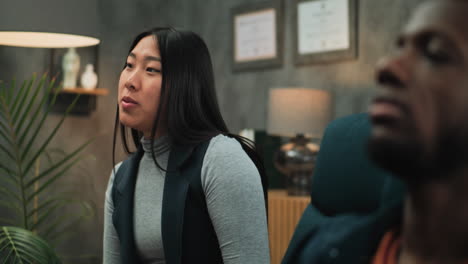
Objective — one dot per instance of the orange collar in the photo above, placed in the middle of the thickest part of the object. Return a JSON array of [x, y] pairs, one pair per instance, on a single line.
[[387, 252]]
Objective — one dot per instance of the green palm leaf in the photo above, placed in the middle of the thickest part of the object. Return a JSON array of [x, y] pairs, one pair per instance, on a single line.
[[10, 194], [52, 179], [3, 128], [7, 221], [22, 246], [2, 89], [57, 165], [36, 112], [28, 106], [38, 127], [63, 197], [27, 187], [7, 152], [9, 177], [65, 225], [11, 92], [20, 99], [11, 205], [49, 138]]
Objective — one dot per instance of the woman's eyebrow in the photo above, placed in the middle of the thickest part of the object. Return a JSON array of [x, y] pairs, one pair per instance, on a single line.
[[152, 58], [147, 58]]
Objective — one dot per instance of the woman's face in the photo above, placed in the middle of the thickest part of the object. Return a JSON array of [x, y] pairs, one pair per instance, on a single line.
[[140, 87]]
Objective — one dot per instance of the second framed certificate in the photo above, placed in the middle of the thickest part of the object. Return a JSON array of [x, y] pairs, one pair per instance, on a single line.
[[325, 30]]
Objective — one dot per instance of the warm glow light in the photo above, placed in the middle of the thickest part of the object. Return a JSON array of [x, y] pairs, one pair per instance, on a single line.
[[293, 111], [45, 40]]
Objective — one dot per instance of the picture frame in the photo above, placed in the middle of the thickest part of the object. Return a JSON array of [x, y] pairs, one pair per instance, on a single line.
[[325, 31], [257, 36]]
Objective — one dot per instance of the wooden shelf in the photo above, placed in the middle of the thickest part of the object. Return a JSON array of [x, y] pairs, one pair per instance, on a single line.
[[97, 91], [86, 102]]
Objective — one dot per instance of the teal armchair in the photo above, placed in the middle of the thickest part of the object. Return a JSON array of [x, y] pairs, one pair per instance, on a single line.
[[353, 202]]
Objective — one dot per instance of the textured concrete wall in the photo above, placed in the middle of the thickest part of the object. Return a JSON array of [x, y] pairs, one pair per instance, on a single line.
[[242, 95]]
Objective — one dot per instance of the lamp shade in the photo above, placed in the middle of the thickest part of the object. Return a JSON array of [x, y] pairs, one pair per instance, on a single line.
[[49, 23], [45, 40], [293, 111]]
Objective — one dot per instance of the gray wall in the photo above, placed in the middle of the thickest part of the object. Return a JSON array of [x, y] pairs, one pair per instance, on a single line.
[[242, 95]]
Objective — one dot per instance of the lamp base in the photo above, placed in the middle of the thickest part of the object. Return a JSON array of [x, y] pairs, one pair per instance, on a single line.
[[298, 183], [296, 160]]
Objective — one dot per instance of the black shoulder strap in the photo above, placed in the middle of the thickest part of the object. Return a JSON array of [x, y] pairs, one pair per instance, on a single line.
[[173, 204], [187, 231], [123, 189], [118, 178]]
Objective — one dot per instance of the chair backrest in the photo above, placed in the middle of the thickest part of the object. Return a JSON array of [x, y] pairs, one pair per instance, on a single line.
[[353, 201], [345, 180]]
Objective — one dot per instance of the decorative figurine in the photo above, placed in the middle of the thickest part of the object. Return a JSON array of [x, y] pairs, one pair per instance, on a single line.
[[70, 66], [89, 78]]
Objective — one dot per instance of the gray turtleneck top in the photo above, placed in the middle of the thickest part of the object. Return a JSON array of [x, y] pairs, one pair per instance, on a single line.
[[234, 197]]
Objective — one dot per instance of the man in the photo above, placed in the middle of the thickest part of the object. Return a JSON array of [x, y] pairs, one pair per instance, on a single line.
[[420, 133]]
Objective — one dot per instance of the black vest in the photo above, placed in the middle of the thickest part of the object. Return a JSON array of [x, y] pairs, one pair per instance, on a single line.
[[187, 232]]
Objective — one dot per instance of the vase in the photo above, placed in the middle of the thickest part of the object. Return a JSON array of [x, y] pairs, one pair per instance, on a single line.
[[70, 66], [89, 78]]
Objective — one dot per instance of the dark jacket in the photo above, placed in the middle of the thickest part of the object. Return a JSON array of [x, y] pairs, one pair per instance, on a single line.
[[341, 239], [187, 232]]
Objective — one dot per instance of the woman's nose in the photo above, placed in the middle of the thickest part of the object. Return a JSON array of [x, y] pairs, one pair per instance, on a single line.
[[131, 82]]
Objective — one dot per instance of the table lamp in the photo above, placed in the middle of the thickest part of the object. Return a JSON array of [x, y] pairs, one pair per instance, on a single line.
[[300, 114]]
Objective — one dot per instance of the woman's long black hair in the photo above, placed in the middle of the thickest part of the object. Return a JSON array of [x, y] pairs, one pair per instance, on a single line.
[[188, 103]]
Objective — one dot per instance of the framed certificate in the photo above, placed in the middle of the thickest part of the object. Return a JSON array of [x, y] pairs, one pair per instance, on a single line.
[[325, 30], [257, 36]]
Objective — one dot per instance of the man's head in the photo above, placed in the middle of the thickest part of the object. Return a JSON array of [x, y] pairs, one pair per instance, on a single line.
[[420, 118]]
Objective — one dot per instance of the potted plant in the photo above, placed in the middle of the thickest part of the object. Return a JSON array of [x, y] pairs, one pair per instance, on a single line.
[[30, 223]]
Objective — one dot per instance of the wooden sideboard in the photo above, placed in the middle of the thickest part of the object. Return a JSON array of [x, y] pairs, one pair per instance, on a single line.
[[284, 212]]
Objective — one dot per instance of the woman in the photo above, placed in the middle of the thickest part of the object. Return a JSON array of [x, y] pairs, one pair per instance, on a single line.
[[192, 192]]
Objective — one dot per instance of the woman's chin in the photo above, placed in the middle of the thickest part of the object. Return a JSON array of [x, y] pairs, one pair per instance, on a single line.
[[128, 122]]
